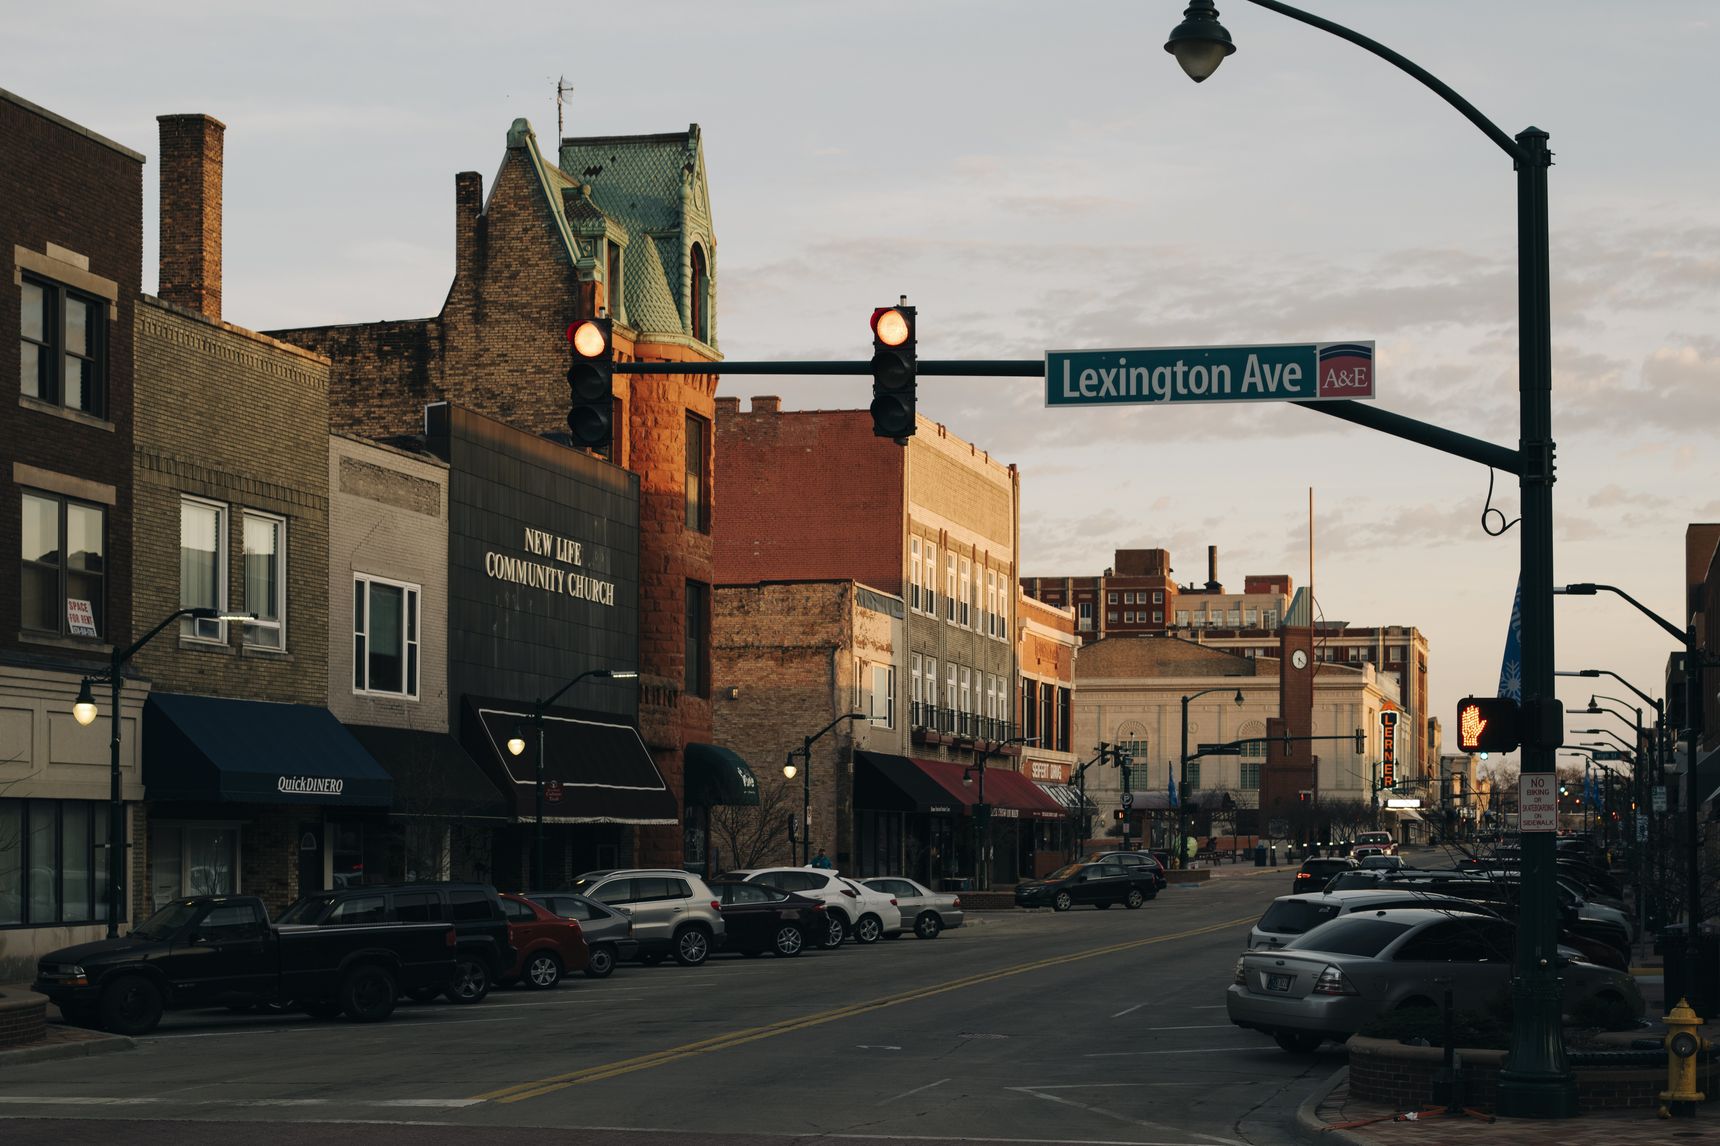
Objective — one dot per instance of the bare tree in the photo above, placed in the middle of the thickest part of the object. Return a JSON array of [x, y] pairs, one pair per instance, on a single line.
[[756, 836]]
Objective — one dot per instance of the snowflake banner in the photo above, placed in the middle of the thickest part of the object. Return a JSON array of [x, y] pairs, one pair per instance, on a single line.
[[1511, 670]]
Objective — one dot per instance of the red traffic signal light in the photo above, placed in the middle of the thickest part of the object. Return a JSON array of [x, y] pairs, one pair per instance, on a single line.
[[894, 368], [1488, 724], [1120, 814], [591, 383]]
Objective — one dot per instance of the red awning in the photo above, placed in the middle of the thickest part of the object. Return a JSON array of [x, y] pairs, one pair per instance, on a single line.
[[1010, 794]]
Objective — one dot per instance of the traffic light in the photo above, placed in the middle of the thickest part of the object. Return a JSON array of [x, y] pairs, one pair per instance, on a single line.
[[590, 383], [894, 365], [1488, 724], [1120, 814], [1303, 796]]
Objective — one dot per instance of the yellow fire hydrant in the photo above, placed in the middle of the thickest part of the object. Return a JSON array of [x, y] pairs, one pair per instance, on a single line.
[[1683, 1044]]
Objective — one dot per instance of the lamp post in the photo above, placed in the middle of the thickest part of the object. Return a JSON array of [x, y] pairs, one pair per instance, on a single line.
[[1182, 774], [788, 770], [1537, 1080], [1081, 794], [1642, 779], [517, 745], [84, 712], [1693, 666], [982, 810]]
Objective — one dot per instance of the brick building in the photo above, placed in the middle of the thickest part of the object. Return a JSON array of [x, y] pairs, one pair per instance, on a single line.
[[1046, 701], [619, 225], [245, 766], [72, 234]]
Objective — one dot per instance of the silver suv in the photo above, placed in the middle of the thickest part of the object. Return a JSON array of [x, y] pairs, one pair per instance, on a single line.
[[674, 913]]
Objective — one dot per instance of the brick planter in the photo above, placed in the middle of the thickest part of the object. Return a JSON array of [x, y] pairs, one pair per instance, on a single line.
[[23, 1019], [1387, 1072]]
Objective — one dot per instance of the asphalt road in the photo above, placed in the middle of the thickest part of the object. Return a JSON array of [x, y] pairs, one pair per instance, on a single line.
[[1085, 1027]]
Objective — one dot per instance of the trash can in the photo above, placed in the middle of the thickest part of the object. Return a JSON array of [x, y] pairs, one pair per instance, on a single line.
[[958, 883], [1259, 855], [1680, 982]]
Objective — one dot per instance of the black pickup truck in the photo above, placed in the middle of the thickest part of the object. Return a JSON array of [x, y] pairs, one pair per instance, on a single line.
[[219, 950]]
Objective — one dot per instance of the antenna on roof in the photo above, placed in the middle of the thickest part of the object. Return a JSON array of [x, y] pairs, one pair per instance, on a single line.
[[562, 87]]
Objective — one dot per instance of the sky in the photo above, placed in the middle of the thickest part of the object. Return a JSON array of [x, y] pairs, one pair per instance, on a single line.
[[1042, 176]]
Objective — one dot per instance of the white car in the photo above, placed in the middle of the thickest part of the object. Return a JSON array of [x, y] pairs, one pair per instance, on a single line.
[[851, 907]]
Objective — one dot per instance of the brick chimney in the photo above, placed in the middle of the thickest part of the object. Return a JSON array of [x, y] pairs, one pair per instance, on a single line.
[[191, 212]]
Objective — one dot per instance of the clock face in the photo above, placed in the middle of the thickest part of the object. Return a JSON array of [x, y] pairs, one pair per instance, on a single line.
[[1299, 659]]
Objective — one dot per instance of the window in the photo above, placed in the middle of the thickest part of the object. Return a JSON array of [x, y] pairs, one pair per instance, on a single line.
[[1269, 618], [1235, 618], [63, 547], [612, 283], [62, 344], [1128, 618], [931, 693], [1063, 735], [884, 696], [991, 602], [914, 681], [950, 587], [192, 859], [470, 905], [967, 692], [698, 478], [203, 566], [1111, 617], [1158, 616], [384, 637], [965, 582], [266, 580], [1110, 598], [52, 869], [950, 689], [1085, 610], [1182, 617], [418, 907], [360, 909], [914, 575], [1193, 777], [1251, 617], [234, 922], [700, 310], [1158, 596], [698, 639], [930, 602]]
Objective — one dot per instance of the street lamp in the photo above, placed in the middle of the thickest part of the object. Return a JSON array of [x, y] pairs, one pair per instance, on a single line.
[[805, 770], [1537, 1080], [1182, 774], [982, 810], [517, 745], [84, 712]]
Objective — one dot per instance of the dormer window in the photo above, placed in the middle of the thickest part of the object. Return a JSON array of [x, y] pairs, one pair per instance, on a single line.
[[700, 310], [612, 280]]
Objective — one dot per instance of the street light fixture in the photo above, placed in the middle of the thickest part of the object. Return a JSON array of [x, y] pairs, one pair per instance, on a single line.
[[1182, 775], [84, 712], [805, 770], [517, 745], [1537, 1080]]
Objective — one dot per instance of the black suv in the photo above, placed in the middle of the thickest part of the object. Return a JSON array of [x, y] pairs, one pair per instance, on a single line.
[[1132, 860], [1314, 873], [480, 925]]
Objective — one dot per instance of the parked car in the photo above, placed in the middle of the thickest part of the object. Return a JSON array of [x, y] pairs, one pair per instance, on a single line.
[[1133, 859], [608, 933], [851, 909], [483, 952], [1289, 916], [1100, 884], [925, 912], [759, 918], [1314, 873], [674, 913], [1332, 981], [547, 945], [219, 950], [1379, 861], [1378, 839]]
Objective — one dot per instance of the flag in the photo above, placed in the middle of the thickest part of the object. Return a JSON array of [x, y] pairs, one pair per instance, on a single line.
[[1172, 790], [1511, 668]]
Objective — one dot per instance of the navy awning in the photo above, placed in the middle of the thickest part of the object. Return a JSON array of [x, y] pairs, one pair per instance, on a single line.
[[209, 748], [433, 775], [594, 772], [886, 783], [718, 775]]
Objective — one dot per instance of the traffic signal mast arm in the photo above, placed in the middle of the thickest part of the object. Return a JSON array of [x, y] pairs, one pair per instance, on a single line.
[[1235, 747]]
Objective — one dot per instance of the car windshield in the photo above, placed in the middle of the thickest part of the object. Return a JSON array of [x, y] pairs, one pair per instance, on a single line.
[[307, 910], [1065, 871], [1351, 935], [1294, 916], [1349, 879], [166, 921]]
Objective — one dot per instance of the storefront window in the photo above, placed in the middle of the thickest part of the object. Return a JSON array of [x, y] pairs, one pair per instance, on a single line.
[[348, 854], [49, 865], [11, 862], [193, 859]]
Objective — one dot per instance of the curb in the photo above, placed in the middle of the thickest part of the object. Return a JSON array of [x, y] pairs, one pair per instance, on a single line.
[[1311, 1128], [83, 1048]]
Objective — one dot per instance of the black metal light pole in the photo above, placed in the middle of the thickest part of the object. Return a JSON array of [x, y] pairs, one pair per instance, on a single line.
[[84, 712], [1537, 1081], [517, 745], [982, 812], [1182, 774], [788, 770]]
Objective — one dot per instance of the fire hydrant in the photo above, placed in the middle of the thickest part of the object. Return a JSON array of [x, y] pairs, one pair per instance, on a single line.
[[1683, 1044]]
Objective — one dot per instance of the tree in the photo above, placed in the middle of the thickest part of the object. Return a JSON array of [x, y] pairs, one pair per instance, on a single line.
[[757, 836]]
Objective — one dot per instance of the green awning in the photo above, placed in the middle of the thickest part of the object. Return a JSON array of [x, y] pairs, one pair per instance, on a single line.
[[717, 775]]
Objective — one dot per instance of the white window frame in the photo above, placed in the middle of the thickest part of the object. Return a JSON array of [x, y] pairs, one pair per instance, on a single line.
[[1158, 616], [1084, 610], [991, 602], [407, 644], [914, 574], [965, 585], [931, 682], [967, 690], [1158, 596], [196, 628], [1110, 598], [950, 587], [950, 688], [930, 604], [280, 624], [884, 682], [914, 676]]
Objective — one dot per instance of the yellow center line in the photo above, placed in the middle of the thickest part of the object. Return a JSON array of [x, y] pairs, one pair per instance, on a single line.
[[524, 1090]]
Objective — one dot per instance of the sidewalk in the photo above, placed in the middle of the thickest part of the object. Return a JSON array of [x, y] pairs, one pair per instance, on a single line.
[[60, 1041]]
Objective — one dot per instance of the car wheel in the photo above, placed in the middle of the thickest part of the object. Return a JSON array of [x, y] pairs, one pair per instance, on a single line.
[[471, 981], [424, 994], [1298, 1042], [836, 930], [1135, 899], [601, 963], [131, 1005], [692, 946], [869, 930], [542, 971], [367, 994], [1062, 901], [929, 925], [788, 941]]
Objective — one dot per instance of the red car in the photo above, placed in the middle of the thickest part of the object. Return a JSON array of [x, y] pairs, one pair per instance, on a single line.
[[547, 945]]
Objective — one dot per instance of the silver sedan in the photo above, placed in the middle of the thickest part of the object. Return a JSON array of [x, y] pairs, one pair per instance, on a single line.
[[924, 911], [1332, 981]]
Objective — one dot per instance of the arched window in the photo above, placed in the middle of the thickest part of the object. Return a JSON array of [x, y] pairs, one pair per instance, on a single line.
[[1132, 738], [700, 311], [1253, 736]]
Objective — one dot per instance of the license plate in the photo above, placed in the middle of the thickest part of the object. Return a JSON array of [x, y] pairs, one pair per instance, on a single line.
[[1278, 982]]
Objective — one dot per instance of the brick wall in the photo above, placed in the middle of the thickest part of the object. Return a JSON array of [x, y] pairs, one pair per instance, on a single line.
[[191, 167], [239, 419]]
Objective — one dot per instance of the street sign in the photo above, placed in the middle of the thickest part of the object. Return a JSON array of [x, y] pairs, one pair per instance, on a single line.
[[1537, 802], [1219, 750], [1608, 754], [552, 791], [1128, 799], [1275, 372], [1660, 797]]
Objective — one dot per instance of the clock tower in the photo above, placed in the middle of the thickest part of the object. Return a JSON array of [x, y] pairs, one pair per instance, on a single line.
[[1290, 771]]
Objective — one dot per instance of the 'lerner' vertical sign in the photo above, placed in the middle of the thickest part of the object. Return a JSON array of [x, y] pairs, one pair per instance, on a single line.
[[1287, 372]]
